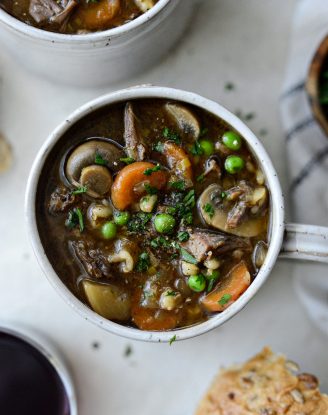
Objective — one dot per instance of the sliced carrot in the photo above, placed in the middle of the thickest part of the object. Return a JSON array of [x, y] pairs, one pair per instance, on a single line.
[[128, 179], [150, 319], [178, 160], [229, 289], [97, 15]]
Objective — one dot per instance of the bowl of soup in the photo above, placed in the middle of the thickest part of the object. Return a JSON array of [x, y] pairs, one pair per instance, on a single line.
[[155, 212], [90, 43]]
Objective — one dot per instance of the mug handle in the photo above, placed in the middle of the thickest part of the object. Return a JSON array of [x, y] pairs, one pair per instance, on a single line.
[[305, 242]]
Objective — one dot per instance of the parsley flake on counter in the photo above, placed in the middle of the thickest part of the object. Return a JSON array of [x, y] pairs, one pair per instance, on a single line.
[[172, 339]]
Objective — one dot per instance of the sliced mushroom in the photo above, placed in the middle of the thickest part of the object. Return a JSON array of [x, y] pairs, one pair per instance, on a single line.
[[145, 5], [202, 242], [184, 118], [217, 217], [259, 254], [134, 144], [108, 300], [83, 169]]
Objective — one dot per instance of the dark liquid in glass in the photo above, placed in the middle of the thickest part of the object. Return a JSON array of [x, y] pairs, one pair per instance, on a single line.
[[29, 384]]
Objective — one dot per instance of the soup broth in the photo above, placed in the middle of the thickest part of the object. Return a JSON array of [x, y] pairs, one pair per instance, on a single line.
[[154, 213]]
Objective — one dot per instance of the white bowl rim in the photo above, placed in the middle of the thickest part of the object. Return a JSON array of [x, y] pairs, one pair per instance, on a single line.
[[277, 211], [105, 35]]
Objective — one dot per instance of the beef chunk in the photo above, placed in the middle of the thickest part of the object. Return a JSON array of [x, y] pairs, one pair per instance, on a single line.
[[61, 200], [202, 241]]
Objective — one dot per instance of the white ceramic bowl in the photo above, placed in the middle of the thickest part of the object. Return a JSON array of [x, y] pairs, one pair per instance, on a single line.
[[301, 241], [97, 58]]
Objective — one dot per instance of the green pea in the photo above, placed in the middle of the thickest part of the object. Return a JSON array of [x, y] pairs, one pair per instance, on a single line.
[[197, 283], [109, 230], [207, 147], [164, 223], [231, 140], [234, 164], [121, 218]]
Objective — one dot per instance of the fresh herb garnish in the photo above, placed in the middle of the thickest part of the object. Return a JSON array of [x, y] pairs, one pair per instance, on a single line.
[[182, 207], [137, 223], [249, 116], [159, 147], [171, 294], [151, 170], [79, 190], [75, 217], [212, 278], [100, 160], [178, 185], [200, 178], [183, 236], [150, 189], [188, 257], [160, 241], [128, 351], [203, 132], [143, 262], [225, 299], [189, 200], [223, 195], [172, 339], [229, 86], [127, 160], [171, 135], [208, 208], [196, 149]]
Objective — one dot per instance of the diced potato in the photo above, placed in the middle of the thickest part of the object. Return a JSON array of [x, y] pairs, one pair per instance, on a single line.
[[108, 300]]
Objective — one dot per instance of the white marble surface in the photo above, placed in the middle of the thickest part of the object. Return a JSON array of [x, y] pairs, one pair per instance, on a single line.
[[230, 40]]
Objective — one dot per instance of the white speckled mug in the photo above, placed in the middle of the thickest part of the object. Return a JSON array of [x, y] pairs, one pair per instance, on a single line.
[[287, 240], [98, 58]]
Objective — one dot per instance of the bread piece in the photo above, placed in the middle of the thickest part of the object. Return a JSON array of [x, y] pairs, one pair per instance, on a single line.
[[265, 385]]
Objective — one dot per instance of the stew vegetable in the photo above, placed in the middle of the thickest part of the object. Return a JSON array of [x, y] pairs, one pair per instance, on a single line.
[[76, 16], [154, 213]]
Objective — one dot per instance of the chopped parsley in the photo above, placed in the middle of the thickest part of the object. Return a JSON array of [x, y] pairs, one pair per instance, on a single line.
[[183, 236], [150, 189], [127, 160], [160, 241], [203, 132], [143, 262], [79, 190], [178, 185], [159, 147], [100, 160], [208, 208], [223, 195], [229, 86], [212, 278], [182, 207], [225, 299], [171, 135], [189, 200], [137, 223], [128, 351], [196, 149], [75, 217], [200, 178], [151, 170], [249, 116], [188, 257], [172, 339], [171, 294]]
